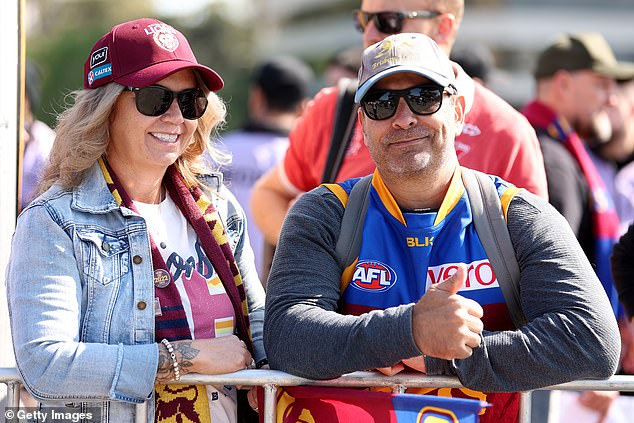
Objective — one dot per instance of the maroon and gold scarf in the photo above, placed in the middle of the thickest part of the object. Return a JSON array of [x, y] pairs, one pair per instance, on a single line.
[[605, 222], [171, 323]]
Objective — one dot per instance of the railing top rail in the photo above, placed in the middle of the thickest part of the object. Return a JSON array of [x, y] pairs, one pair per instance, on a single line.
[[357, 379]]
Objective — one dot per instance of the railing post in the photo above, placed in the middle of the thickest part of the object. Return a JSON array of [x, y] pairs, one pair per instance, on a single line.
[[270, 403], [141, 413], [398, 389], [525, 407], [13, 394]]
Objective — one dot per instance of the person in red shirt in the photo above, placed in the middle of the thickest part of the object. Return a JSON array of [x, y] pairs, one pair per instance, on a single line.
[[496, 139]]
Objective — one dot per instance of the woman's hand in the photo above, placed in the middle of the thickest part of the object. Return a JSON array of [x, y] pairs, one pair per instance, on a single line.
[[205, 356], [252, 397]]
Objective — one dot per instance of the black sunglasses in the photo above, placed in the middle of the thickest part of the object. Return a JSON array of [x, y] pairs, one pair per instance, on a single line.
[[154, 100], [422, 100], [389, 22]]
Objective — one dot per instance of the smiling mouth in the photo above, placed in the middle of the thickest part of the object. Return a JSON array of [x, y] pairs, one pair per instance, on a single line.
[[167, 138], [406, 142]]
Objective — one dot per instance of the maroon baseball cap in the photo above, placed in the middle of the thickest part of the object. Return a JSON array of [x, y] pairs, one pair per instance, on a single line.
[[140, 53]]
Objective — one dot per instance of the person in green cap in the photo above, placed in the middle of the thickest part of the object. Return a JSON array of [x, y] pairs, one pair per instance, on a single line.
[[576, 85]]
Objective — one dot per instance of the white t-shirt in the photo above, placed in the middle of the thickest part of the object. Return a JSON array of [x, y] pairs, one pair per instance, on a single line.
[[207, 305]]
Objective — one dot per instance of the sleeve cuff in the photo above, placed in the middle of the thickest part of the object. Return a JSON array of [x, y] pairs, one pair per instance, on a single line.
[[136, 372]]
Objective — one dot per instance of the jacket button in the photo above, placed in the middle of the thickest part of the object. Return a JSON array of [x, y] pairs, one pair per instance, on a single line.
[[137, 259], [141, 305], [105, 246]]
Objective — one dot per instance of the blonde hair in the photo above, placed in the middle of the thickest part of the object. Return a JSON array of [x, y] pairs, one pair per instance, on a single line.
[[83, 136]]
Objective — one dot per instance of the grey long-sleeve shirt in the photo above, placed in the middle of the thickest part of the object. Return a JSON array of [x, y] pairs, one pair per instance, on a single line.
[[571, 334]]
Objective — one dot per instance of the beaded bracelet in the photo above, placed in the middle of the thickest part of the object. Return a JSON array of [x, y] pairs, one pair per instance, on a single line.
[[170, 349]]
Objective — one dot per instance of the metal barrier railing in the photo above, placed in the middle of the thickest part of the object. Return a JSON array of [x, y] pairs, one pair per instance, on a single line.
[[270, 380]]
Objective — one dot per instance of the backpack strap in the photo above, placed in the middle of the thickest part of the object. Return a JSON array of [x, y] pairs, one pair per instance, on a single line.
[[345, 120], [349, 241], [494, 236]]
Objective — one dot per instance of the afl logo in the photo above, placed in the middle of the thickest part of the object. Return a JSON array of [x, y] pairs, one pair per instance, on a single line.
[[373, 276]]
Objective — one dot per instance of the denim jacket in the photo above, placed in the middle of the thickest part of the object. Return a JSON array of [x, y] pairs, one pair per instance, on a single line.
[[80, 290]]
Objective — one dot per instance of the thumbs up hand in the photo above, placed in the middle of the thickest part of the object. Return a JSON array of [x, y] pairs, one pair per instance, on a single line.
[[446, 325]]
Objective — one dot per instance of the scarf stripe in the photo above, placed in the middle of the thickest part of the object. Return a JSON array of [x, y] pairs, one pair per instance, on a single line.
[[215, 243], [605, 222], [172, 323]]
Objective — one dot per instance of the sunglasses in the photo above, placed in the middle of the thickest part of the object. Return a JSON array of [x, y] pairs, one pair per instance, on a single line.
[[423, 100], [154, 100], [389, 22]]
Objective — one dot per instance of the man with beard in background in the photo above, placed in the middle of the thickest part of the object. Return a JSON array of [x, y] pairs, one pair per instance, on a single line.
[[576, 86]]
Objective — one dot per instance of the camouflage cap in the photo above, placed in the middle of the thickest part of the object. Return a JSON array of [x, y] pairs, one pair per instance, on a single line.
[[404, 52]]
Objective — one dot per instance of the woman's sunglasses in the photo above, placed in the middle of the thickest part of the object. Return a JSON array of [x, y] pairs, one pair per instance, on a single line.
[[154, 100], [389, 22], [423, 100]]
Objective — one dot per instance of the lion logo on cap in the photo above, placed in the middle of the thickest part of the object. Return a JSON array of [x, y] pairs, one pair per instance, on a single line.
[[389, 53], [164, 36]]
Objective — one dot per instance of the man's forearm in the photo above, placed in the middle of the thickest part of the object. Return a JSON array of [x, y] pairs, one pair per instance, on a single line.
[[571, 334], [269, 205]]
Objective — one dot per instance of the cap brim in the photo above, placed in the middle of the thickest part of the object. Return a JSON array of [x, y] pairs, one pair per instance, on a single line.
[[427, 73], [622, 71], [153, 74]]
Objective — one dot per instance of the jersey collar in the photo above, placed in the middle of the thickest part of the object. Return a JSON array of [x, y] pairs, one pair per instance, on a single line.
[[453, 195]]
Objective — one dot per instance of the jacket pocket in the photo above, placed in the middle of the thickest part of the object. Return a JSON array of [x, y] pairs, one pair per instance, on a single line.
[[105, 257]]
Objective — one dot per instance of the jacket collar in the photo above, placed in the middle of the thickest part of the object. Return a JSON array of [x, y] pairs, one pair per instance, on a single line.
[[92, 194]]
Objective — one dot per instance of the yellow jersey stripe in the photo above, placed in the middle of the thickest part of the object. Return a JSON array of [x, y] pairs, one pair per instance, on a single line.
[[339, 192], [454, 193], [507, 196]]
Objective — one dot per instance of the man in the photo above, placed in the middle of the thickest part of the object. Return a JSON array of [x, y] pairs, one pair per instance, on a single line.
[[623, 141], [343, 64], [575, 87], [277, 97], [427, 304], [476, 60], [38, 138], [495, 139]]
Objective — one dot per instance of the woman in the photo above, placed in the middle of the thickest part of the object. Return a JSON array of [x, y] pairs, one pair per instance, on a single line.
[[134, 267]]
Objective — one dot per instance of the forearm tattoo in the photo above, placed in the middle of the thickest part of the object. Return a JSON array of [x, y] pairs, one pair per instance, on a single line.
[[185, 354], [165, 370]]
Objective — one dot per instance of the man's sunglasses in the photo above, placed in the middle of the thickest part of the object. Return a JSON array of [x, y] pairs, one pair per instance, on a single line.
[[423, 100], [154, 100], [389, 22]]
